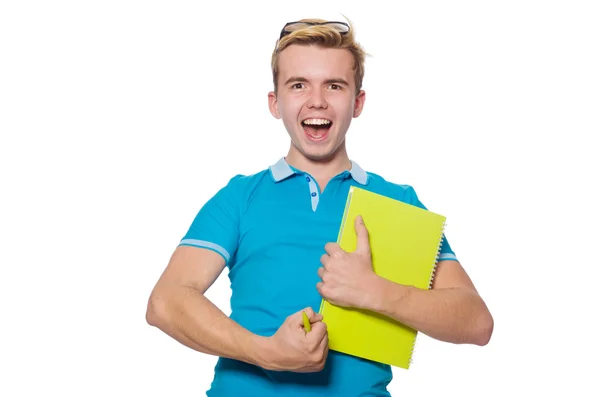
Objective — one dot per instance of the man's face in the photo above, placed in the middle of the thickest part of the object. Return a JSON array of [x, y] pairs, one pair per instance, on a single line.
[[316, 98]]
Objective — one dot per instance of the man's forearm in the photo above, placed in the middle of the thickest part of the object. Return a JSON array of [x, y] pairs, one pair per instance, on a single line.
[[192, 319], [456, 315]]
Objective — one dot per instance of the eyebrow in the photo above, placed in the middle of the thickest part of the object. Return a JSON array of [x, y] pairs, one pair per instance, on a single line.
[[297, 79]]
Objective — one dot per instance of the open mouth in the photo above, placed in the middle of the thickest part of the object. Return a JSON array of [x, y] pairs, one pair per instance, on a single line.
[[316, 129]]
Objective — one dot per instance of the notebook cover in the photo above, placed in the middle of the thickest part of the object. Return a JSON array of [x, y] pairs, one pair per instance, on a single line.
[[405, 242]]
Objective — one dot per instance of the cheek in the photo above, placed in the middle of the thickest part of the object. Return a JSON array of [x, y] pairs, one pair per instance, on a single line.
[[288, 110], [289, 116], [344, 111], [342, 103]]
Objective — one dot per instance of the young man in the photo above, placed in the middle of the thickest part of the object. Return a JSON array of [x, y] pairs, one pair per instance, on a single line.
[[275, 232]]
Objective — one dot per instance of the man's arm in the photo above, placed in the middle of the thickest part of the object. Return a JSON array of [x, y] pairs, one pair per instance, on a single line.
[[452, 311], [178, 307]]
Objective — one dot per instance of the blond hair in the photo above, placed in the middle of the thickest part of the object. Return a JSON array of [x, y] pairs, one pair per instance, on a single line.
[[323, 36]]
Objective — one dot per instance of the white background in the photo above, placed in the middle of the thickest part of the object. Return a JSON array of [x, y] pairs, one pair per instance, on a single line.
[[119, 119]]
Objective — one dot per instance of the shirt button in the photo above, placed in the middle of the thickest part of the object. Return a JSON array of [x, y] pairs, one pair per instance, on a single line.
[[313, 194], [307, 179]]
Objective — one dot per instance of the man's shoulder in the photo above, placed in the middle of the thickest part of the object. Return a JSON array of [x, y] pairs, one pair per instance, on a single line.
[[380, 180], [243, 182], [399, 191]]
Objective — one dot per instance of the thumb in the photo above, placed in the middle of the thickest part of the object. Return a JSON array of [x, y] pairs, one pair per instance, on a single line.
[[362, 235], [311, 314]]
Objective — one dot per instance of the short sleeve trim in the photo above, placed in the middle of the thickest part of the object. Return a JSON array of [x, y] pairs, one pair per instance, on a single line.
[[447, 256], [206, 244]]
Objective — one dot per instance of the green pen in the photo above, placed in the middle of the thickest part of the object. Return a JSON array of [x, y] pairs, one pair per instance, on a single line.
[[306, 322]]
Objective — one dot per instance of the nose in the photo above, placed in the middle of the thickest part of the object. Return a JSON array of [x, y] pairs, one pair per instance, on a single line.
[[317, 100]]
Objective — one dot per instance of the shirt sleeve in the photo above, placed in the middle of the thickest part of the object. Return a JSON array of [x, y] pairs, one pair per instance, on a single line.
[[446, 252], [216, 226]]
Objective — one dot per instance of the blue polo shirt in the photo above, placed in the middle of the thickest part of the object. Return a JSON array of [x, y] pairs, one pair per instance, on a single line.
[[271, 228]]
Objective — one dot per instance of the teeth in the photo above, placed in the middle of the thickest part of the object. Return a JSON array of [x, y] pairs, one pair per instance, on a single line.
[[316, 121]]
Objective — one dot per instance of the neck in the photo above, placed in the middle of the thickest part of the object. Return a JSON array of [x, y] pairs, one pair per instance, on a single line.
[[321, 169]]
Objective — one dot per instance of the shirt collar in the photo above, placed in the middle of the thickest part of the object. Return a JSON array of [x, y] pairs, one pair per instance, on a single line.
[[282, 170]]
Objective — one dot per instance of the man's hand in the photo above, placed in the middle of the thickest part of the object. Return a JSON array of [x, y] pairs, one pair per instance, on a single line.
[[291, 348], [348, 278]]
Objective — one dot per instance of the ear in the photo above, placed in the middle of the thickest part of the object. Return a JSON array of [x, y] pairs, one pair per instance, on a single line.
[[359, 102], [273, 108]]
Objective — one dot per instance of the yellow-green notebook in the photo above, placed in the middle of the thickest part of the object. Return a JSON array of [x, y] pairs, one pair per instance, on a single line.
[[405, 242]]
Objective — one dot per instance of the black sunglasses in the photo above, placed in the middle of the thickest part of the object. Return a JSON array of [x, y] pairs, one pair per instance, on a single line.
[[290, 27]]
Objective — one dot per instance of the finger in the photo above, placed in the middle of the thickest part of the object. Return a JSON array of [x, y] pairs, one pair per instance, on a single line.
[[323, 348], [320, 288], [318, 332], [309, 311], [325, 259], [321, 272], [324, 344], [332, 248], [362, 236], [312, 315], [297, 319]]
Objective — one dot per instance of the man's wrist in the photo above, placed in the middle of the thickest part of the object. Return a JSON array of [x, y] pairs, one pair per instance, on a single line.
[[384, 295], [373, 294], [260, 351]]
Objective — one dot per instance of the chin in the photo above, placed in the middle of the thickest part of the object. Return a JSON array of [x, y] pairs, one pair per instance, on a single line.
[[318, 154]]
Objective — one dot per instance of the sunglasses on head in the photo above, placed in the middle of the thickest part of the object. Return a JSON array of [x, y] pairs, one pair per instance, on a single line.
[[290, 27]]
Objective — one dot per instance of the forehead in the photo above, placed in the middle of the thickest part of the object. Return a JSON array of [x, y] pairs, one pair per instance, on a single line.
[[315, 63]]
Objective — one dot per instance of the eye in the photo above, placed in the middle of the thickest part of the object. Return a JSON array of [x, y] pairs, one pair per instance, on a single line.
[[297, 86], [335, 87]]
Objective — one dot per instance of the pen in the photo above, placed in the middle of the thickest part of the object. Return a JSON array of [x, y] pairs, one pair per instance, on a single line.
[[306, 322]]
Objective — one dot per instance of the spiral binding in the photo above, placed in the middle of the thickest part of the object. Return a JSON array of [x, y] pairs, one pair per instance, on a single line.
[[433, 269], [437, 256], [410, 357]]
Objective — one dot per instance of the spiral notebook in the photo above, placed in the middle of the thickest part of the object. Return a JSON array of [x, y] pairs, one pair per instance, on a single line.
[[405, 243]]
